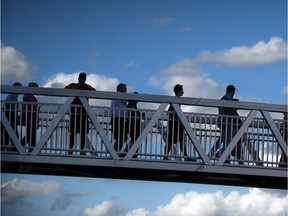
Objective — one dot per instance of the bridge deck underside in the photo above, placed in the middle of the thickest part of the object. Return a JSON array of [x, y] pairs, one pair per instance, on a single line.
[[142, 170]]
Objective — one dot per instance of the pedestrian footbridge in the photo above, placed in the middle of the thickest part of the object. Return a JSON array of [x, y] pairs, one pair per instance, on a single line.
[[254, 157]]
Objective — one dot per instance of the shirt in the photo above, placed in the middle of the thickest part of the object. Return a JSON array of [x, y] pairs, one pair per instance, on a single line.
[[119, 104]]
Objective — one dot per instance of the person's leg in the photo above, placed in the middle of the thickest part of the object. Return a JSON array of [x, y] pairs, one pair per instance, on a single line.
[[283, 160], [115, 130], [83, 141], [215, 148], [136, 134], [26, 139], [167, 147], [170, 138], [237, 152], [228, 134], [71, 142], [120, 133], [84, 130], [33, 138], [183, 148], [167, 150], [180, 128], [4, 137], [223, 140], [72, 130]]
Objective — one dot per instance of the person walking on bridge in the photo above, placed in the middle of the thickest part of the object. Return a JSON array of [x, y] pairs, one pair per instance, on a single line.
[[118, 120], [176, 129], [78, 116], [228, 125], [134, 123]]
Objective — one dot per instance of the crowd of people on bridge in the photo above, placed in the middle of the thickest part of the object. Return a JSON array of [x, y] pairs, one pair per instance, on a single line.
[[125, 123]]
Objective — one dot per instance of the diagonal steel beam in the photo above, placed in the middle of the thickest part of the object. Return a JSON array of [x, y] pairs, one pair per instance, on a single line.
[[146, 130], [99, 128], [191, 134], [52, 126], [11, 133], [275, 131], [237, 137]]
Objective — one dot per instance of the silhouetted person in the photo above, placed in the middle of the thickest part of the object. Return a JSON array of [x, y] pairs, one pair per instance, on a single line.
[[176, 128], [228, 125], [11, 113], [78, 119], [134, 122], [29, 117], [118, 120]]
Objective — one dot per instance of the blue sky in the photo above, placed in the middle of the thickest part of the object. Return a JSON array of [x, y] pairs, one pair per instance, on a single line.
[[150, 45]]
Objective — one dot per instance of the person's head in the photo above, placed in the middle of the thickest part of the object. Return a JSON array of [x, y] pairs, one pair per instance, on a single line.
[[121, 88], [32, 84], [178, 90], [133, 103], [17, 84], [82, 78], [230, 89]]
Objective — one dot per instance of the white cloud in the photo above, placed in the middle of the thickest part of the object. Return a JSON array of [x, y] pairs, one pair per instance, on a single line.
[[16, 190], [187, 29], [184, 66], [101, 83], [14, 65], [139, 212], [256, 202], [94, 58], [189, 73], [259, 54], [106, 208], [285, 90], [199, 85], [63, 202], [132, 64], [162, 21]]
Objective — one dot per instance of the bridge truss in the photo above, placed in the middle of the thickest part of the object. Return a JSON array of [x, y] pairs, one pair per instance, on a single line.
[[253, 157]]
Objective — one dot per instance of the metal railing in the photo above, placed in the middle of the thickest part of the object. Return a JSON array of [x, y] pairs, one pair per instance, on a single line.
[[258, 142]]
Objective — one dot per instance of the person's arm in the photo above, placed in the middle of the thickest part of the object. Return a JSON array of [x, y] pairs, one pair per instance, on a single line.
[[232, 111], [70, 86]]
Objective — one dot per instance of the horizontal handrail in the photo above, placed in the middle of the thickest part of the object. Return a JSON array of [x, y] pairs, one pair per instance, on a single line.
[[144, 98]]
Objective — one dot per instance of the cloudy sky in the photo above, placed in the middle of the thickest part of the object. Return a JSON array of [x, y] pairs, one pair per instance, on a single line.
[[150, 45]]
